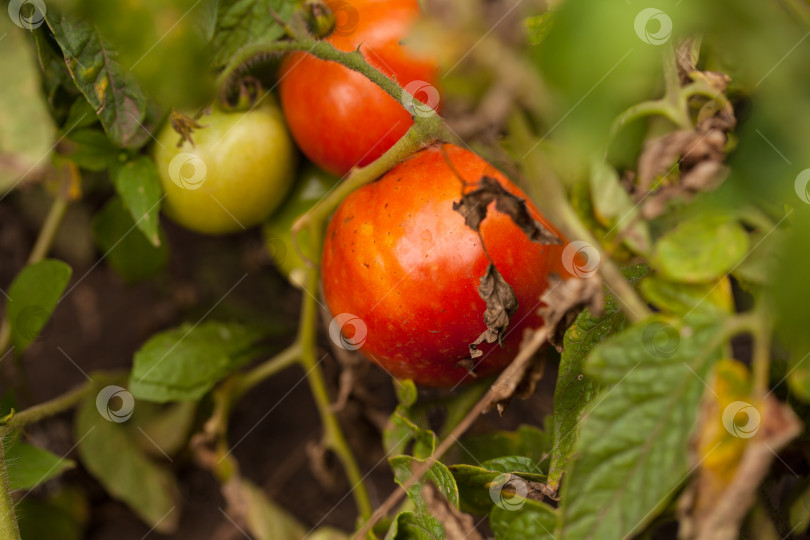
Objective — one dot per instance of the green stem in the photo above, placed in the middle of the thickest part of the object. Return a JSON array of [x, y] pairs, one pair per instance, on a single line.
[[50, 407], [423, 131], [8, 520], [279, 362], [333, 435]]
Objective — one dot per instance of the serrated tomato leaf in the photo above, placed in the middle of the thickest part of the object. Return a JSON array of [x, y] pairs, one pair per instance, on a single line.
[[413, 526], [438, 473], [29, 466], [632, 449], [532, 521], [246, 22]]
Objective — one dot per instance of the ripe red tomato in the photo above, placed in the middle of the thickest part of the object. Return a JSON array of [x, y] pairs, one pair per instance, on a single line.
[[405, 267], [338, 117]]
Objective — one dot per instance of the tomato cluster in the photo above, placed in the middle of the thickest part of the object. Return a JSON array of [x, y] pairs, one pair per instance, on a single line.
[[399, 264]]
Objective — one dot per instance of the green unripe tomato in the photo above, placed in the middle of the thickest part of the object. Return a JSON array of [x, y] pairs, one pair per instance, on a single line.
[[238, 171], [311, 186]]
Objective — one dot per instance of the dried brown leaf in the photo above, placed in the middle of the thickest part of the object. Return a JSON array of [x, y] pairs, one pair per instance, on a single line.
[[457, 525], [473, 207], [501, 305]]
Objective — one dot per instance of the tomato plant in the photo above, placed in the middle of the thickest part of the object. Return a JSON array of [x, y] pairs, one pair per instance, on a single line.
[[399, 257], [635, 311], [338, 117], [233, 174]]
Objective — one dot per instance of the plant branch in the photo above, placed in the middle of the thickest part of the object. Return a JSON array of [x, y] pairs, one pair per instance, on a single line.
[[8, 520], [49, 408], [333, 434], [268, 368]]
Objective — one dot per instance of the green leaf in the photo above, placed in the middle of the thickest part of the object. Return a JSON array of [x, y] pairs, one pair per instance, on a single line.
[[526, 441], [533, 521], [574, 388], [59, 515], [405, 426], [438, 473], [109, 451], [247, 22], [127, 251], [80, 115], [91, 149], [138, 184], [474, 482], [26, 128], [110, 89], [538, 27], [633, 443], [614, 208], [32, 298], [30, 466], [184, 363], [265, 519], [704, 248], [682, 298], [164, 428], [413, 526], [520, 465]]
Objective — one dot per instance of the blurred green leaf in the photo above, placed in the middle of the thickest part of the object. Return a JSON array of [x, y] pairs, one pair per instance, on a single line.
[[109, 452], [613, 207], [265, 519], [532, 521], [438, 474], [26, 128], [185, 362], [526, 441], [575, 389], [138, 183], [29, 466], [632, 448], [413, 526], [111, 89], [165, 429], [683, 298], [247, 22], [127, 251], [59, 515], [91, 149], [704, 248], [32, 297], [80, 115]]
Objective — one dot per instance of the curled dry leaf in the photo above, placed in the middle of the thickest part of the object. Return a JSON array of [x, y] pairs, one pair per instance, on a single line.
[[732, 465], [457, 525], [473, 206], [501, 305]]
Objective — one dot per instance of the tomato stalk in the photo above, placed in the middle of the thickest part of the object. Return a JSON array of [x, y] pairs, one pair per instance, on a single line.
[[333, 435], [8, 520]]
